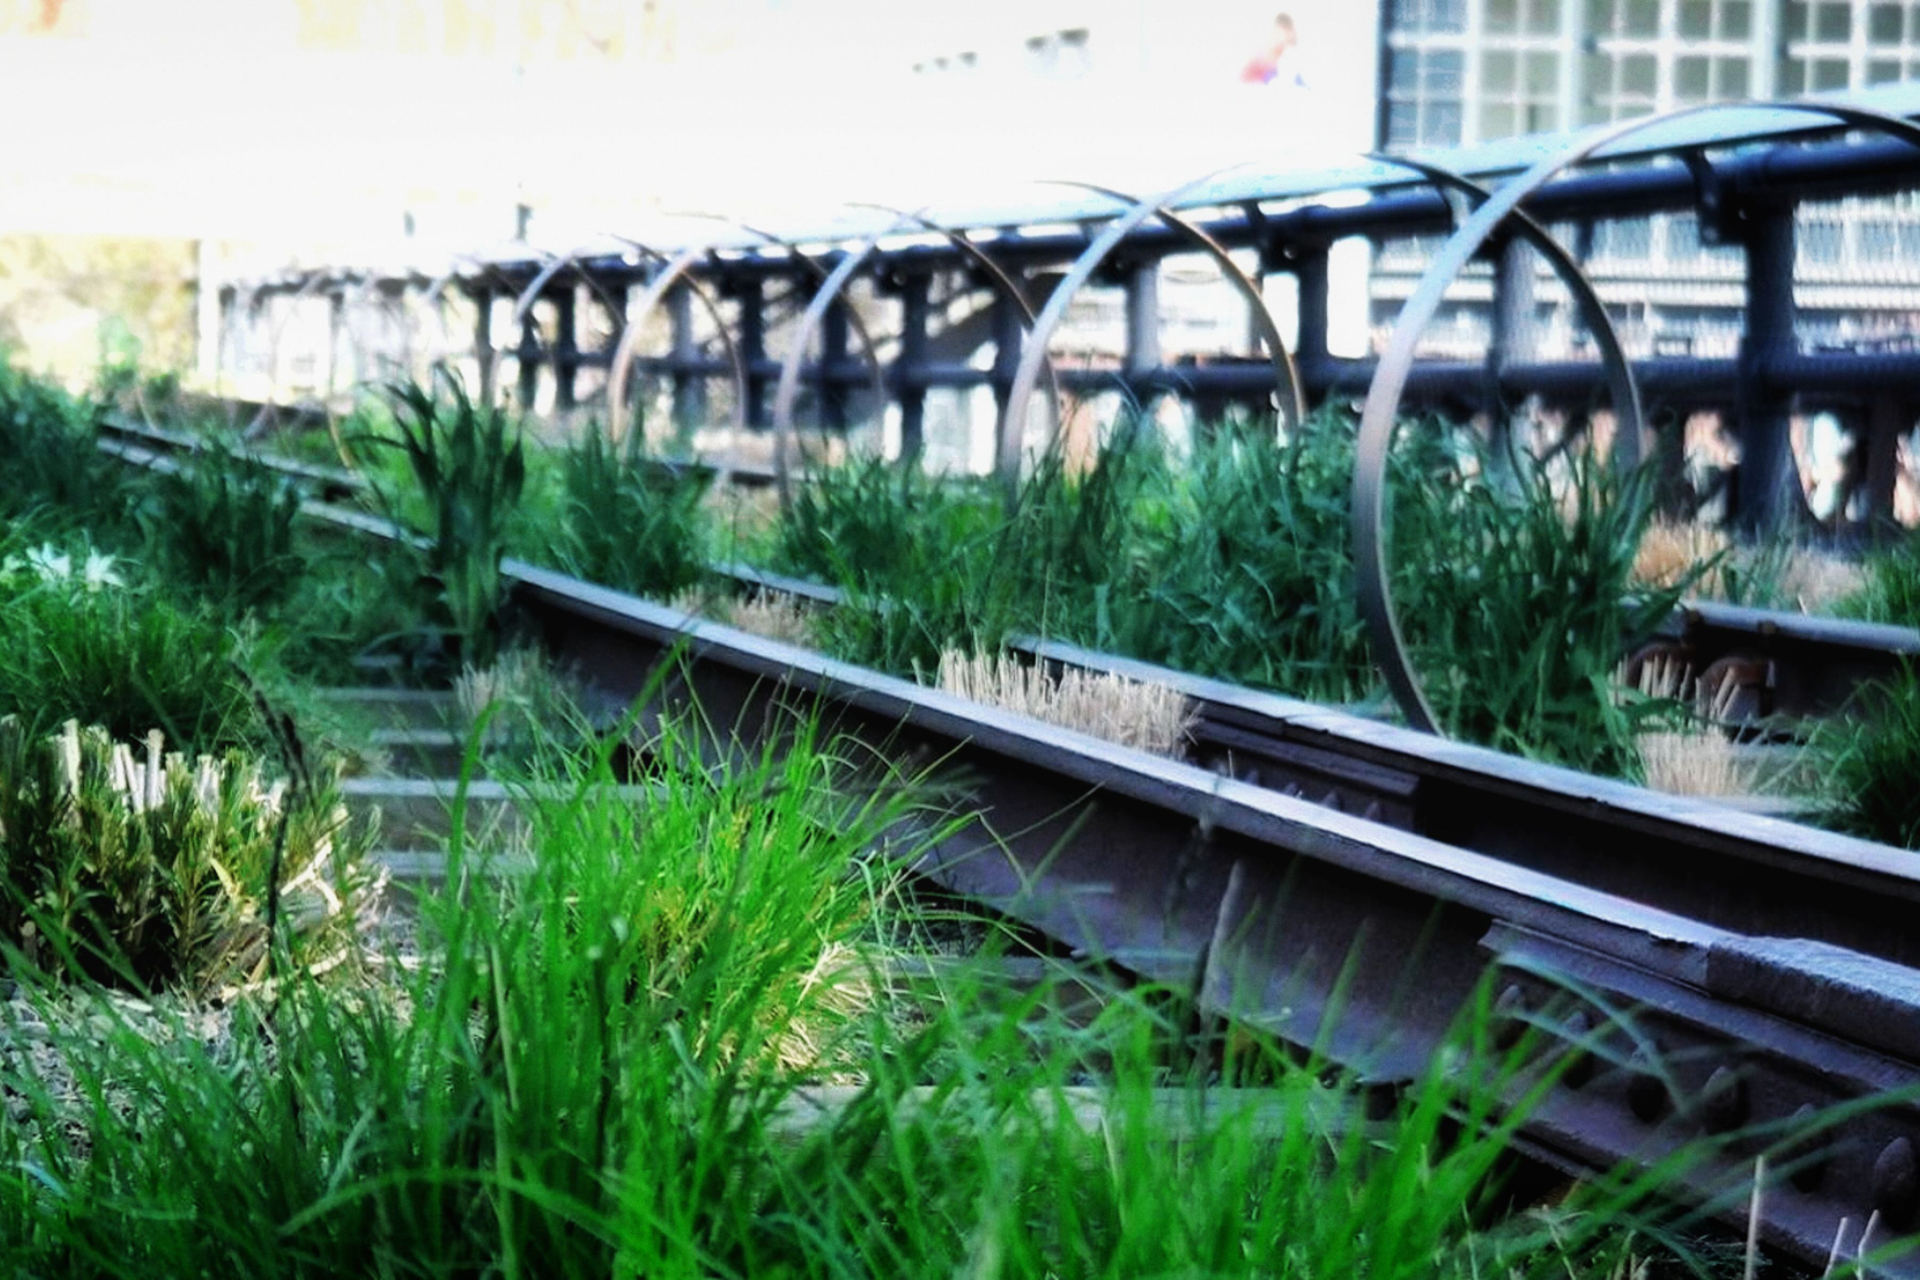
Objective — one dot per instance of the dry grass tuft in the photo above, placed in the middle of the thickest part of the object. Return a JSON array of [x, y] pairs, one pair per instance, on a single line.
[[1150, 717], [1669, 551], [1813, 581], [1805, 579], [1695, 762], [769, 615]]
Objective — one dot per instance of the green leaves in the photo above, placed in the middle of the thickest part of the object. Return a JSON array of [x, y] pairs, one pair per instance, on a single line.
[[470, 468], [226, 524], [630, 523]]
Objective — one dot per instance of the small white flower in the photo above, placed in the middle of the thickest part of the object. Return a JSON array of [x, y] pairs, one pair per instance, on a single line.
[[48, 561], [100, 572]]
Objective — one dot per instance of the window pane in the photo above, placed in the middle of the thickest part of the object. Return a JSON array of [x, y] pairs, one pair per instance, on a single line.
[[1503, 16], [1691, 79], [1442, 128], [1884, 23], [1637, 73], [1793, 75], [1444, 68], [1403, 72], [1878, 241], [1829, 73], [1683, 237], [1736, 20], [1543, 73], [1881, 71], [1795, 25], [1599, 17], [1732, 73], [1833, 22], [1632, 238], [1643, 17], [1497, 71], [1497, 120], [1820, 242], [1543, 17], [1696, 19], [1403, 124]]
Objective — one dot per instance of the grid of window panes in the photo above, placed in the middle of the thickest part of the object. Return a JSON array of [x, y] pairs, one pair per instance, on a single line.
[[1522, 48], [1426, 74], [1466, 71], [1892, 43]]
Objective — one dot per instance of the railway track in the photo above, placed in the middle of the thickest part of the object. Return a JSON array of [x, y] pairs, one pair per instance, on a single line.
[[1697, 972]]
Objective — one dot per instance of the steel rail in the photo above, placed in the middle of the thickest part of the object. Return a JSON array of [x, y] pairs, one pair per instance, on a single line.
[[1362, 941], [1379, 417], [1346, 934]]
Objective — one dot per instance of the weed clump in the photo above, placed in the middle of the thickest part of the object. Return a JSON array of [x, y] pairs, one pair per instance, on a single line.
[[125, 864], [77, 642], [616, 1064], [628, 523], [1870, 756], [468, 468], [225, 524]]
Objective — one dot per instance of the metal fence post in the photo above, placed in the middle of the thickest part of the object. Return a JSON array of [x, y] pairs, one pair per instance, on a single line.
[[1510, 339], [1309, 266], [1888, 418], [909, 385], [1766, 493], [566, 348], [528, 356], [833, 358], [483, 339], [751, 294], [689, 386]]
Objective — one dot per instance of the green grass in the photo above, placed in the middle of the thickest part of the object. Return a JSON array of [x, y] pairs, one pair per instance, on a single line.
[[1234, 562], [467, 468], [52, 468], [124, 656], [225, 526], [1519, 603], [602, 1074], [628, 525], [1869, 757]]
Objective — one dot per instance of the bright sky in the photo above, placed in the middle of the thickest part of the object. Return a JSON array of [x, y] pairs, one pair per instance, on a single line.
[[194, 119]]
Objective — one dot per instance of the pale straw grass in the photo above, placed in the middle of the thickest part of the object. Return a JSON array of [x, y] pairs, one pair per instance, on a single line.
[[766, 614], [1669, 550], [1809, 580], [1698, 759], [1150, 717], [1815, 581]]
